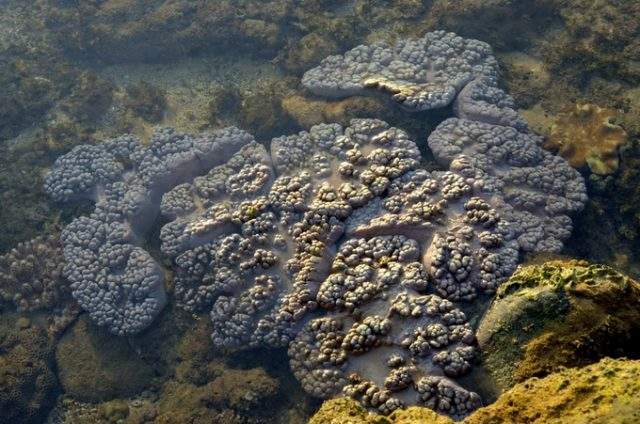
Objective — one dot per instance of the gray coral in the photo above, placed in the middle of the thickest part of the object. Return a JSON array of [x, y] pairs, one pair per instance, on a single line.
[[382, 334], [114, 279], [259, 239], [420, 74]]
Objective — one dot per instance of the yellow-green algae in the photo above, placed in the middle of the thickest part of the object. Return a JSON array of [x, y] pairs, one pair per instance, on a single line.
[[605, 392], [349, 411], [558, 314]]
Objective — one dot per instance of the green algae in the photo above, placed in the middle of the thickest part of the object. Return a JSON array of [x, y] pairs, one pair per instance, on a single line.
[[558, 314]]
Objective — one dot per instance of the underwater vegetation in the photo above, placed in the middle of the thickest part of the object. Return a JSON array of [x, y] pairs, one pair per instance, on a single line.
[[324, 197]]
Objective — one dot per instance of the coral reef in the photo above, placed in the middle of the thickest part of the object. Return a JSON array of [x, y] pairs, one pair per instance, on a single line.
[[420, 74], [28, 384], [112, 278], [284, 265], [587, 136], [31, 280], [91, 372], [558, 314], [352, 265]]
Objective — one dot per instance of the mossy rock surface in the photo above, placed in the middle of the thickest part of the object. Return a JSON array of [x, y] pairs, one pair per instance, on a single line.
[[348, 411], [345, 411], [605, 392], [94, 365], [559, 314]]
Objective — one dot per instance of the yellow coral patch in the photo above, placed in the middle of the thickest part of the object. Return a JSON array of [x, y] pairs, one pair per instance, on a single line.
[[586, 136]]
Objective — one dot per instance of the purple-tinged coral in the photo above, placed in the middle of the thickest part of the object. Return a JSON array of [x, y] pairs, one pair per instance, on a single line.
[[114, 279], [382, 335], [481, 100], [534, 190], [465, 246], [252, 248], [421, 74], [332, 243]]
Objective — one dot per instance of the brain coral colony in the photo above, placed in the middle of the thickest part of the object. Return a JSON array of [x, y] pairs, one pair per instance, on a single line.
[[334, 242]]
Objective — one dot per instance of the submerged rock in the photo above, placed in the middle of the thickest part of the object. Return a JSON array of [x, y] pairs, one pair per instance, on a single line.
[[559, 314], [94, 366], [606, 392], [244, 392]]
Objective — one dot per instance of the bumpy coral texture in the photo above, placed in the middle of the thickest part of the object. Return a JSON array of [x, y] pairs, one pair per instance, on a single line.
[[337, 220], [420, 74], [32, 281], [112, 277]]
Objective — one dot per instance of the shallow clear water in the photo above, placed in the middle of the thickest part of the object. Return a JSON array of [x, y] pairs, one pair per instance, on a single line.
[[82, 73]]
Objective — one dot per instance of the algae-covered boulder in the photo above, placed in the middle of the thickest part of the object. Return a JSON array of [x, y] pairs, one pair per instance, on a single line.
[[93, 365], [417, 414], [606, 392], [348, 411], [345, 410], [27, 382], [559, 314]]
